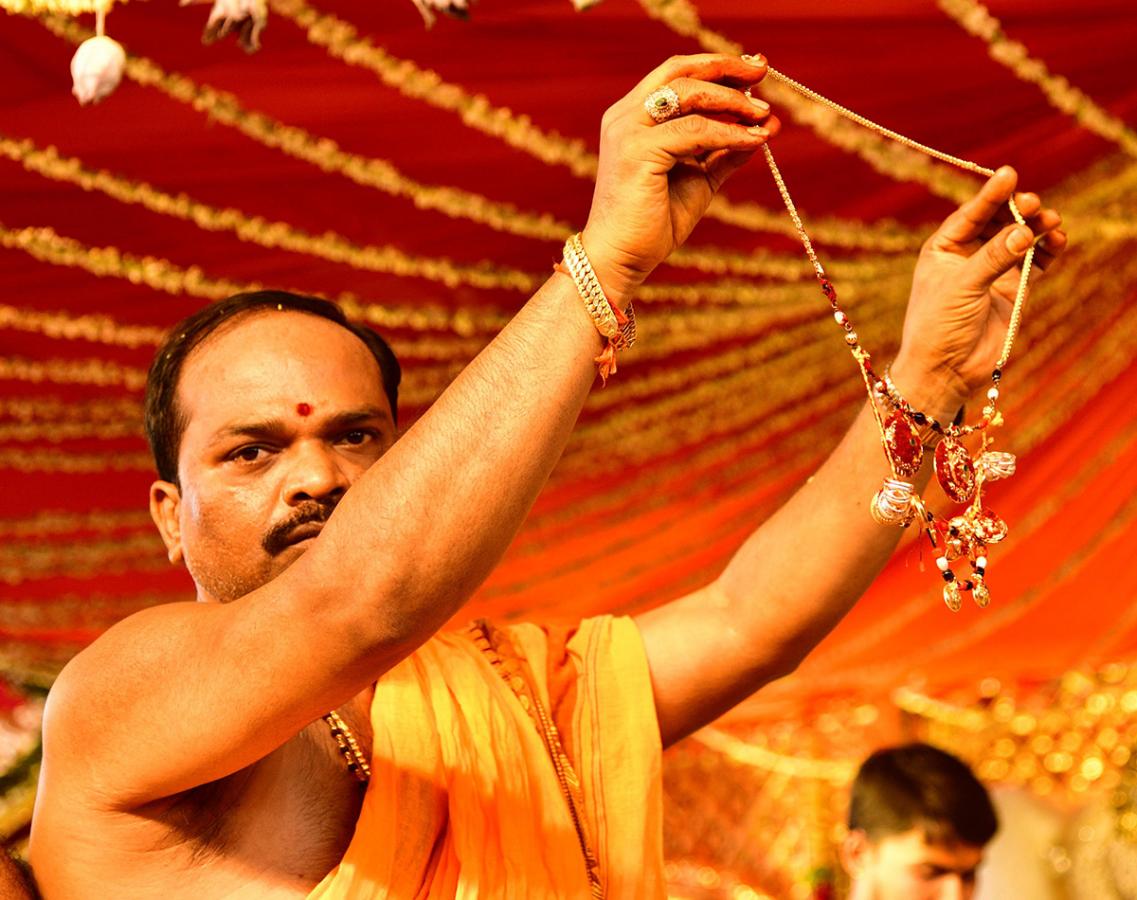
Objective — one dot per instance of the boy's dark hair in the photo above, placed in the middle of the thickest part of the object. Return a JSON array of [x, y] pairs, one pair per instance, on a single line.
[[919, 786], [165, 423]]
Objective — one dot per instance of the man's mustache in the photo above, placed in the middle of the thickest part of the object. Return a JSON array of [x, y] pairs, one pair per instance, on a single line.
[[282, 535]]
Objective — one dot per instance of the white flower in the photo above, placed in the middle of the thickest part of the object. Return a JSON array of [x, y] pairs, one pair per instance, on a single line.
[[247, 17], [96, 69], [460, 9]]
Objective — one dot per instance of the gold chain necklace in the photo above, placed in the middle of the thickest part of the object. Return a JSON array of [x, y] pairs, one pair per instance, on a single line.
[[505, 660], [962, 477], [349, 747]]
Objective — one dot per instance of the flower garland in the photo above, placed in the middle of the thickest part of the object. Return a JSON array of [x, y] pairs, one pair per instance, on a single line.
[[265, 233], [24, 562], [978, 21], [60, 7], [382, 175], [162, 275], [101, 372], [87, 611], [28, 461], [58, 432], [324, 153], [55, 522], [342, 41], [90, 327]]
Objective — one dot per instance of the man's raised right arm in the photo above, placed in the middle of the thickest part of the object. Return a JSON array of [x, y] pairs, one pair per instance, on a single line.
[[183, 694]]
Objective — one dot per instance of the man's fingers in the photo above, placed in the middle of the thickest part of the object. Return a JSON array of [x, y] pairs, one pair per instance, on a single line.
[[692, 136], [742, 71], [1041, 222], [1050, 246], [967, 223], [707, 98], [1028, 203], [1004, 251]]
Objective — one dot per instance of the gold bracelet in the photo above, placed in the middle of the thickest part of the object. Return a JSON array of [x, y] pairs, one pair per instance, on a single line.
[[588, 285], [618, 329]]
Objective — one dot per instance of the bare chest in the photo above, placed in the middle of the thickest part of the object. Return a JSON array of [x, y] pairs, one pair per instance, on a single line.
[[273, 830], [294, 812]]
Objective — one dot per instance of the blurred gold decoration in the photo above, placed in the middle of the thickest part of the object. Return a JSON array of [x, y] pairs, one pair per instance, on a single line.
[[735, 799], [454, 202], [68, 463], [163, 275], [52, 522], [342, 41], [59, 7], [223, 108], [839, 772], [388, 259], [93, 611], [59, 432], [29, 560], [978, 21], [91, 327], [266, 233], [893, 160], [72, 371], [20, 753], [1076, 733]]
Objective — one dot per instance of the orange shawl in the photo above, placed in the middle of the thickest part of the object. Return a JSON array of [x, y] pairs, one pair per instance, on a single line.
[[464, 800]]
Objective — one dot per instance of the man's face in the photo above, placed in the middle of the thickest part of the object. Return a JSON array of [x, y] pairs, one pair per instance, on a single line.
[[284, 412], [906, 866]]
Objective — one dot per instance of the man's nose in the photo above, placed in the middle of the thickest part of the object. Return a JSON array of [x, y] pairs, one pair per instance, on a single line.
[[315, 473], [953, 888]]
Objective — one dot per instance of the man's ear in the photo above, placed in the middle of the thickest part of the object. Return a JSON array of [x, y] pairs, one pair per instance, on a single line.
[[855, 852], [165, 500]]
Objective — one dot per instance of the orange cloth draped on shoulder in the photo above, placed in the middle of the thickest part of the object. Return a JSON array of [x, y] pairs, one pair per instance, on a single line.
[[464, 800]]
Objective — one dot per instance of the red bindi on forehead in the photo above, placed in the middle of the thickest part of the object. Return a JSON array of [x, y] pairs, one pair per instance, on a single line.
[[304, 409]]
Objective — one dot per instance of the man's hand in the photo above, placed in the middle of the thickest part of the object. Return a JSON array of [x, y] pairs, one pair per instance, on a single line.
[[656, 180], [963, 291]]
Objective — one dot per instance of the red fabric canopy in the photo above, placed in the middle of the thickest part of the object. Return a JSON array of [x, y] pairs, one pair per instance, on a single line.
[[451, 192], [663, 480]]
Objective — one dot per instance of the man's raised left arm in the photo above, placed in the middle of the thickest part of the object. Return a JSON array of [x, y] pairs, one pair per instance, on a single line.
[[799, 573]]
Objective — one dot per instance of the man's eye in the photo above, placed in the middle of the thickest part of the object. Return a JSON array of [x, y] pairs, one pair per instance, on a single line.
[[249, 454], [357, 437]]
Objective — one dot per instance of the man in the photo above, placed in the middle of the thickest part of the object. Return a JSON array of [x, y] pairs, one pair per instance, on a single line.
[[918, 823], [191, 750]]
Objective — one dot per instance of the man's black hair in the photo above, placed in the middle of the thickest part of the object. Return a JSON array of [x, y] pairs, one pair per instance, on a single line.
[[920, 786]]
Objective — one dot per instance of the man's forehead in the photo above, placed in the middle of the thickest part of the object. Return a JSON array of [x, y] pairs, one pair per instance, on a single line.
[[284, 359], [952, 854]]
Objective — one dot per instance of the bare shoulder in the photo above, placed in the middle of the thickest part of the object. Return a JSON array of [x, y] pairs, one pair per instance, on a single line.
[[107, 676]]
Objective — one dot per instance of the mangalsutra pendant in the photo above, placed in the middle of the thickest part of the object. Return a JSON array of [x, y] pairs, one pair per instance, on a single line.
[[964, 536]]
